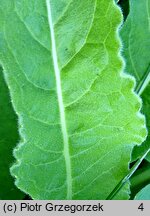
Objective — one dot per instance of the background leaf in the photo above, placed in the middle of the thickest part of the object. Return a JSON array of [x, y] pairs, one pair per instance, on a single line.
[[144, 194], [137, 152], [79, 117], [124, 4], [8, 139], [136, 45], [140, 179]]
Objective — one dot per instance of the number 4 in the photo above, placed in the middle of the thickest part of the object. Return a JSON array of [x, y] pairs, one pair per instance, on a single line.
[[141, 207]]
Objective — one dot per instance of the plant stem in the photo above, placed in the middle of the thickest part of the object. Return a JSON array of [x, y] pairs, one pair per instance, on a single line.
[[127, 177], [141, 177], [144, 82]]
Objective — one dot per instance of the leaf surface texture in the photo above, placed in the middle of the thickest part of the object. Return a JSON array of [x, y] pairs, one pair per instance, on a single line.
[[79, 117], [136, 39]]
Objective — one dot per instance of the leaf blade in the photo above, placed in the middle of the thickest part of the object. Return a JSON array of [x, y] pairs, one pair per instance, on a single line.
[[143, 194], [98, 124], [135, 35]]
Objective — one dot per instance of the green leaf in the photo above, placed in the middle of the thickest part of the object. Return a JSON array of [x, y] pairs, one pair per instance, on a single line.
[[127, 177], [140, 179], [136, 39], [146, 109], [8, 139], [144, 194], [79, 117]]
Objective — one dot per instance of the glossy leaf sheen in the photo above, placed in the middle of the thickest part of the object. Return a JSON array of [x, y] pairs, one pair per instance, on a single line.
[[136, 39], [78, 115], [143, 194]]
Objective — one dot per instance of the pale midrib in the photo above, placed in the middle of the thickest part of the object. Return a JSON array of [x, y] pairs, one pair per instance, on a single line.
[[60, 102], [144, 82]]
